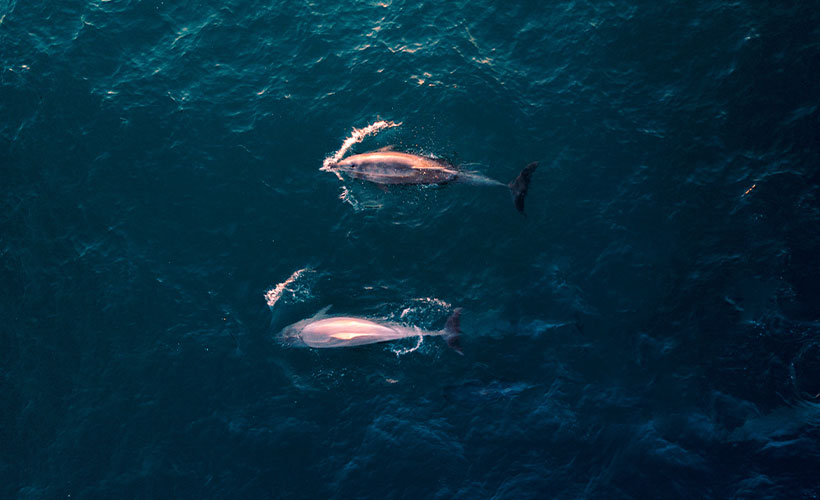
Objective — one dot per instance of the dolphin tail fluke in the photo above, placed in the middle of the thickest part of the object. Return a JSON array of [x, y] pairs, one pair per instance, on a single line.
[[452, 331], [521, 184]]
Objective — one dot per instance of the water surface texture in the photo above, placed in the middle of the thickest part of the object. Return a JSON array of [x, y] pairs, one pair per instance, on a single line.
[[650, 328]]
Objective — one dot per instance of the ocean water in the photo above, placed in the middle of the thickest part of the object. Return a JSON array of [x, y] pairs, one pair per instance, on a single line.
[[649, 329]]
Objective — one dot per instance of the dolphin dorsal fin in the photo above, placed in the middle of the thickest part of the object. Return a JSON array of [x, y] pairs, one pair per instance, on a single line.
[[389, 147], [322, 312]]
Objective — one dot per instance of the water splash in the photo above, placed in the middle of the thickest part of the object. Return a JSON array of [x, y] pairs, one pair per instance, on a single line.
[[435, 302], [357, 136], [346, 196], [430, 305], [402, 352], [275, 293]]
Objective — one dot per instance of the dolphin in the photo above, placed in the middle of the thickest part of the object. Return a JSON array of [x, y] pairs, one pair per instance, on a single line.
[[393, 167], [476, 391], [323, 331]]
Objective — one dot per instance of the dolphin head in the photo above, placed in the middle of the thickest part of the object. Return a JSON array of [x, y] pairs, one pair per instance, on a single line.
[[291, 336], [345, 164]]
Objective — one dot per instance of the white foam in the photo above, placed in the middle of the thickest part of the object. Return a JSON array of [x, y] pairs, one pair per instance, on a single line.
[[434, 301], [402, 352], [275, 293]]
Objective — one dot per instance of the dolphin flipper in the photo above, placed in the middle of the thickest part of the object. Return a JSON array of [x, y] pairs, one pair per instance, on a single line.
[[521, 184], [322, 312]]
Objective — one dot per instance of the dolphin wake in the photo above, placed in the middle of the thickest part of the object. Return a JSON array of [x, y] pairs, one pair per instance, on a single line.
[[408, 350], [273, 295]]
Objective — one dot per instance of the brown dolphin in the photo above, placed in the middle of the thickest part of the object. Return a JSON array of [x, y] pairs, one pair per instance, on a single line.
[[393, 167]]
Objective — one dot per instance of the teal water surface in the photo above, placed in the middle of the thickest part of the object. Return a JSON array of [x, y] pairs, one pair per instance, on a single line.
[[649, 329]]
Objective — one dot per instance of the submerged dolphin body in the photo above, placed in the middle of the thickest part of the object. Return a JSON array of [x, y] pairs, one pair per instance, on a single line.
[[476, 391], [322, 331], [393, 167]]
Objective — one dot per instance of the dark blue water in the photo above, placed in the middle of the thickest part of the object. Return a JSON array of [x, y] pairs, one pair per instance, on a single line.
[[650, 329]]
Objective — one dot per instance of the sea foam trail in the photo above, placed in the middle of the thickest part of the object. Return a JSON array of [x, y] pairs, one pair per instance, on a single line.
[[275, 293], [357, 136], [402, 352]]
